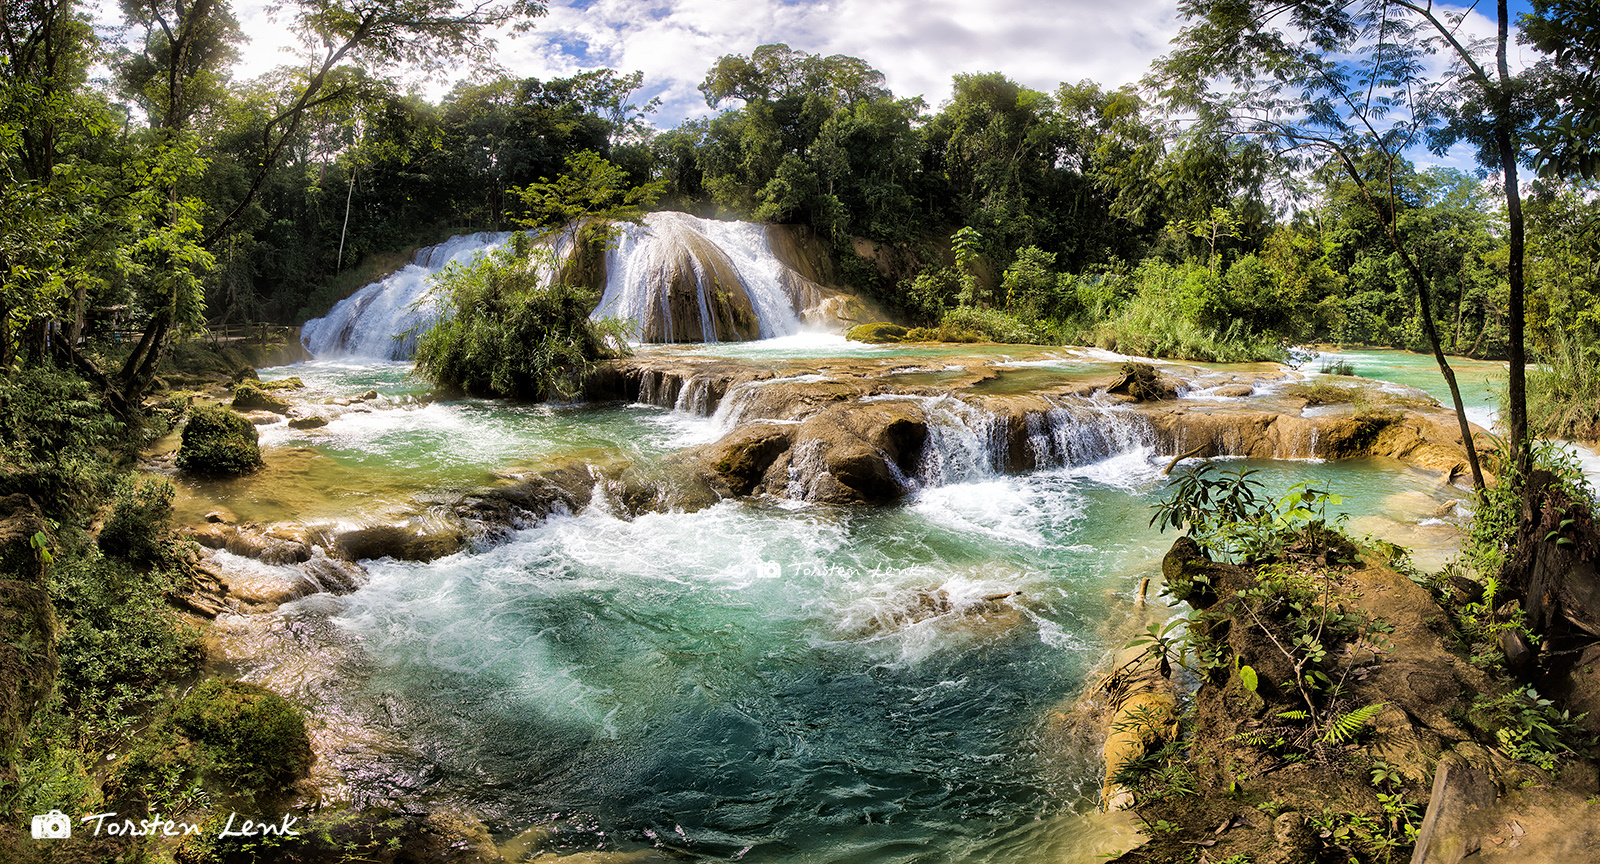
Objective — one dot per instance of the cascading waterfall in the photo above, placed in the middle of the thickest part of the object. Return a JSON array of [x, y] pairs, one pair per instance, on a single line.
[[383, 320], [678, 278], [684, 279]]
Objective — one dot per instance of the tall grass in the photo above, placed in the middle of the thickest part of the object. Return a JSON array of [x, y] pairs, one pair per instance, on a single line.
[[1564, 392]]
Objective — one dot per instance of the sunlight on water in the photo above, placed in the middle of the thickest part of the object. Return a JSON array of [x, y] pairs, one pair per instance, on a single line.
[[766, 680]]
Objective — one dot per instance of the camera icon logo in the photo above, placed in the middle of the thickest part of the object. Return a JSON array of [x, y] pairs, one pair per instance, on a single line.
[[54, 825]]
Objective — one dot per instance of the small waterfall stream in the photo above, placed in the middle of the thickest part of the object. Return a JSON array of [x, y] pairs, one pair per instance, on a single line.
[[382, 320]]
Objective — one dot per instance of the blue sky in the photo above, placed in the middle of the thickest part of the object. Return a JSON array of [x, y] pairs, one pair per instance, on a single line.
[[917, 44]]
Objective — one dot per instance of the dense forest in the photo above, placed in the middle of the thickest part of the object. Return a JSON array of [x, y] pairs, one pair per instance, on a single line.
[[171, 197], [1255, 193]]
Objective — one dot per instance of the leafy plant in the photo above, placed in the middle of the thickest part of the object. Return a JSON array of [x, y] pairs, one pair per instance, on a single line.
[[508, 330], [1530, 728]]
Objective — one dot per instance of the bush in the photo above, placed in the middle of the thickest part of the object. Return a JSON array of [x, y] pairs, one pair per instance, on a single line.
[[251, 739], [141, 517], [58, 442], [505, 332], [992, 325], [218, 443]]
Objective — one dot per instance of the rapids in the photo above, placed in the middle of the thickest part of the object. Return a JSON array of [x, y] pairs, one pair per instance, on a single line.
[[758, 680]]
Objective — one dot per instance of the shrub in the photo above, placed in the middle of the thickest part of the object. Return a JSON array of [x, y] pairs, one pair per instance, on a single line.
[[508, 331], [992, 325], [251, 739], [218, 443], [141, 517]]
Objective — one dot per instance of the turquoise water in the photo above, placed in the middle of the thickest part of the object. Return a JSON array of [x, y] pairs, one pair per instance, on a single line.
[[755, 681], [1480, 381]]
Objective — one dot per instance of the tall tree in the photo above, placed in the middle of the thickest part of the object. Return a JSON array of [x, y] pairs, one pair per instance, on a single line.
[[1338, 81]]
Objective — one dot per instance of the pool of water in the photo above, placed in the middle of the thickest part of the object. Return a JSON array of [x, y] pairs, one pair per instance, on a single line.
[[754, 681]]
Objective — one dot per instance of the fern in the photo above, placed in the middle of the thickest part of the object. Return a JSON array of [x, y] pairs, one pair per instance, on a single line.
[[1348, 725], [1294, 715]]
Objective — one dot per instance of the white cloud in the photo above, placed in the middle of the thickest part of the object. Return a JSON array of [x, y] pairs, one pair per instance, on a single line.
[[917, 44]]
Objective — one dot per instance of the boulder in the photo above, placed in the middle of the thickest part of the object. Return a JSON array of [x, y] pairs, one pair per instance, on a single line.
[[249, 396], [411, 542], [218, 443]]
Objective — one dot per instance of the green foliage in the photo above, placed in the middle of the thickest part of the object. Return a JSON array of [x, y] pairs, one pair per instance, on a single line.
[[218, 443], [1530, 728], [121, 644], [1345, 727], [506, 332], [991, 325], [253, 740], [58, 443], [1180, 312], [590, 188], [140, 520], [1338, 367], [879, 331]]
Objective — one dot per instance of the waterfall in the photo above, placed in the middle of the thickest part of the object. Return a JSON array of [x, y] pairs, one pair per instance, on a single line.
[[383, 319], [967, 443], [679, 278]]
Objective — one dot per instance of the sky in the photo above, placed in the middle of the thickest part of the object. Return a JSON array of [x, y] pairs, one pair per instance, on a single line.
[[917, 44]]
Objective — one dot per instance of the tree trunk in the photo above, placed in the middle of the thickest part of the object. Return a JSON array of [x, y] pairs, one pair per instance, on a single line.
[[1388, 216], [1516, 353]]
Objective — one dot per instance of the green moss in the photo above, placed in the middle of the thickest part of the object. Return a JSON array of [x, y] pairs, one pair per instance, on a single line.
[[283, 384], [228, 741], [218, 443], [877, 331], [248, 396], [251, 741]]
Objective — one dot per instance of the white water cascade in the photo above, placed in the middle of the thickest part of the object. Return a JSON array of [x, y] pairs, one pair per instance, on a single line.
[[678, 278], [383, 320]]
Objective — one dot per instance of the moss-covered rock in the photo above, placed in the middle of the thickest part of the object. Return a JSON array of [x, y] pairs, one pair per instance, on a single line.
[[251, 736], [293, 383], [877, 331], [245, 744], [248, 396], [218, 443]]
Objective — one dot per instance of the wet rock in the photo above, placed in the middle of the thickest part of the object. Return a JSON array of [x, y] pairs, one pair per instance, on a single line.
[[293, 383], [324, 574], [268, 547], [249, 396], [221, 515], [1140, 383], [411, 542], [742, 457], [314, 421], [1234, 391]]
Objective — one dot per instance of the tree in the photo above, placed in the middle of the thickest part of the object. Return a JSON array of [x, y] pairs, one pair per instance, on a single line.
[[1338, 81], [1566, 138], [426, 34]]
